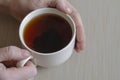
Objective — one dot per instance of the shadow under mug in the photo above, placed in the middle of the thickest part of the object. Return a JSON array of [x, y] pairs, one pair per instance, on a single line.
[[54, 58]]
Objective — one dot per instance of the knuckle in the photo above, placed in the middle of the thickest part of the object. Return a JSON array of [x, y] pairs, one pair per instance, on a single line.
[[36, 4], [52, 3], [11, 50]]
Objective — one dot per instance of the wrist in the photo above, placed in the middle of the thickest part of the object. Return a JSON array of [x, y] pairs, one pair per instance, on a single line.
[[4, 6]]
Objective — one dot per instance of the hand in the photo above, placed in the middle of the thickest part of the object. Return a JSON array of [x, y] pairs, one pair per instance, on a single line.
[[9, 56], [20, 8]]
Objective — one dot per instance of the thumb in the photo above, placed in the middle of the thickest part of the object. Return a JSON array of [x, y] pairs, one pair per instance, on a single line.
[[61, 5], [13, 53]]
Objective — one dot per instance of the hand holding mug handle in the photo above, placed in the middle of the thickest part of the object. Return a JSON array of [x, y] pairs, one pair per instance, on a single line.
[[24, 61]]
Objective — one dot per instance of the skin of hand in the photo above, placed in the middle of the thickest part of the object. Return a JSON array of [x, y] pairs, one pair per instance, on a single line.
[[8, 58], [20, 8]]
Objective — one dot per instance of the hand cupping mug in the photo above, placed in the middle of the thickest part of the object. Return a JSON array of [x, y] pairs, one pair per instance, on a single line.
[[49, 35]]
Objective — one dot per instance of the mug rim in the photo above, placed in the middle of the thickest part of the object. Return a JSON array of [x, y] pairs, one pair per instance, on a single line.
[[49, 9]]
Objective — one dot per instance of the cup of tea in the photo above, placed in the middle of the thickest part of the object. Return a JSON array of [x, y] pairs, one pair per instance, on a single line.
[[49, 35]]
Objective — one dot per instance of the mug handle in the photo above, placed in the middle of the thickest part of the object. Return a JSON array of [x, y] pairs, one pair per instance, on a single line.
[[23, 62]]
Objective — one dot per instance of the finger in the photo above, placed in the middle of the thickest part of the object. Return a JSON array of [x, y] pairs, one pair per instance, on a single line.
[[80, 35], [60, 5], [24, 73], [13, 53]]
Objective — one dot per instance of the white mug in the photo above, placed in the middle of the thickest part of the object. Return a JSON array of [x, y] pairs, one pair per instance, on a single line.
[[54, 58]]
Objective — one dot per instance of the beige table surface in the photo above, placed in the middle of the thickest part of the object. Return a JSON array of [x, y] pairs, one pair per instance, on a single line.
[[101, 58]]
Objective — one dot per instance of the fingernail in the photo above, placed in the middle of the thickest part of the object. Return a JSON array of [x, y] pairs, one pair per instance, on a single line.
[[68, 10]]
